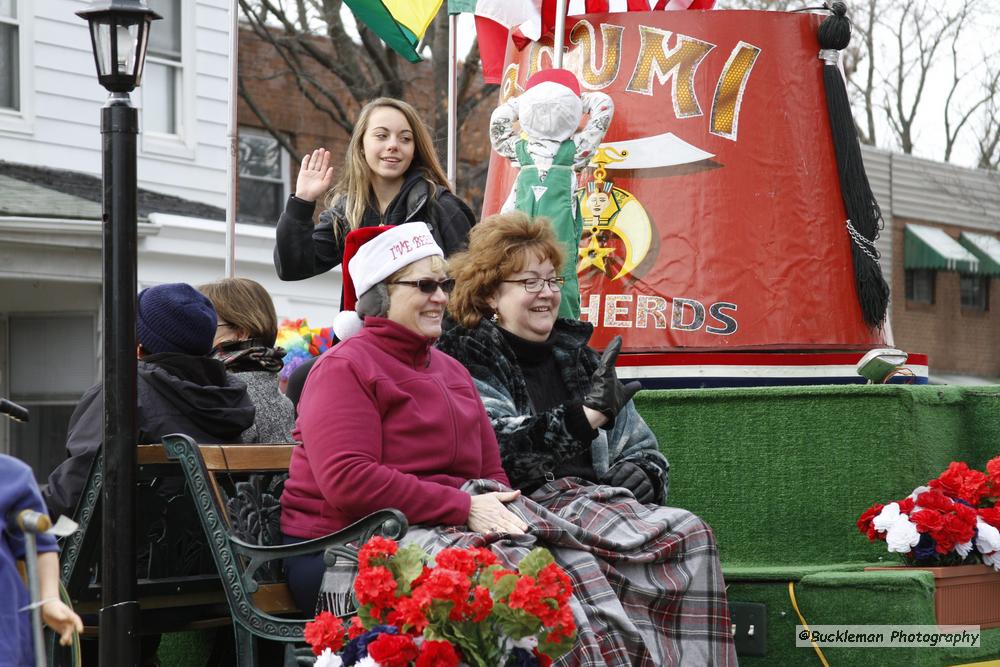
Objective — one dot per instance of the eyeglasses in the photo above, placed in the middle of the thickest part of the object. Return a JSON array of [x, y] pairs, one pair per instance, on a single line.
[[429, 285], [534, 285]]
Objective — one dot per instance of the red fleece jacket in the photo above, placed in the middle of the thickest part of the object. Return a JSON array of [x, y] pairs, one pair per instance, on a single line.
[[385, 420]]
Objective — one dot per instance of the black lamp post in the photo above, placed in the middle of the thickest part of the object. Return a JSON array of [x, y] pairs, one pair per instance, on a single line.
[[119, 32]]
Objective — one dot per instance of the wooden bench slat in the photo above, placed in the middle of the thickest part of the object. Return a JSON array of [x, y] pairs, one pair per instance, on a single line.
[[232, 458]]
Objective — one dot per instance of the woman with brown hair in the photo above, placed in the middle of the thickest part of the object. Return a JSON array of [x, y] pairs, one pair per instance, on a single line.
[[244, 340], [391, 175], [589, 467]]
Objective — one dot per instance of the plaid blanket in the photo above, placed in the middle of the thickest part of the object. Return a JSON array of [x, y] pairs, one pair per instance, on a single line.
[[647, 585]]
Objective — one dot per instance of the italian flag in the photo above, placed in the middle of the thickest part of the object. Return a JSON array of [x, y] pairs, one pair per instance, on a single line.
[[401, 24], [532, 19]]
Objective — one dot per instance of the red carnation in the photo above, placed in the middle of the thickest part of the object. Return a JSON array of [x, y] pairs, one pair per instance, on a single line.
[[864, 522], [927, 521], [325, 631], [959, 481], [906, 505], [437, 654], [444, 584], [393, 650], [376, 549], [356, 628], [485, 557], [993, 470], [935, 500], [990, 515]]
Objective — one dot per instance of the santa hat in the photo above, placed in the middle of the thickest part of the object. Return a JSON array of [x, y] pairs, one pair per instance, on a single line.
[[372, 254], [560, 77]]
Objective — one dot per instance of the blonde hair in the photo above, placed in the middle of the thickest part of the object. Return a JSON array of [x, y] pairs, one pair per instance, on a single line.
[[246, 305], [499, 246], [354, 185]]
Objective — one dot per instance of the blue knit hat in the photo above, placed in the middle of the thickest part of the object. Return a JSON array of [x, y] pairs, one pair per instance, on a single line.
[[175, 318]]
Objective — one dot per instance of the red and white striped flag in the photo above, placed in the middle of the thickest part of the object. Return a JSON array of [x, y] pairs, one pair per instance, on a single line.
[[536, 18]]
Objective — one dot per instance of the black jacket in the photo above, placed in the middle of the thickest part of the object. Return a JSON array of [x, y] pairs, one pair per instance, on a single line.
[[304, 250], [177, 393]]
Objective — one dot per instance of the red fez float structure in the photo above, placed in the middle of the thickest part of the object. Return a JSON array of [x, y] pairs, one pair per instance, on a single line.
[[728, 226]]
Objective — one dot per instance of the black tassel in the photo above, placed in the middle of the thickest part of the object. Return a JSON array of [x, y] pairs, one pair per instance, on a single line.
[[864, 216]]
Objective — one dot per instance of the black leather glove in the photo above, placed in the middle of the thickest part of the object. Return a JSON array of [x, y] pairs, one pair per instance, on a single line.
[[633, 478], [607, 393]]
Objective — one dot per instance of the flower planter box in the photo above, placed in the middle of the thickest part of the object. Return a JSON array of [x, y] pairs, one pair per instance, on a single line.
[[963, 594]]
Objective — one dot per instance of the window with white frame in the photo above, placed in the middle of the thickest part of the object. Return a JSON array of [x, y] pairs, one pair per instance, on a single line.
[[263, 178], [51, 364], [975, 291], [162, 78], [10, 64]]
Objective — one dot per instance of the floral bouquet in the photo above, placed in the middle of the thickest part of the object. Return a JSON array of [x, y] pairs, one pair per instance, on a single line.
[[301, 343], [466, 610], [953, 520]]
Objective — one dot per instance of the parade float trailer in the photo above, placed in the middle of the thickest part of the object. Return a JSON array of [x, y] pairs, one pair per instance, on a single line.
[[717, 244]]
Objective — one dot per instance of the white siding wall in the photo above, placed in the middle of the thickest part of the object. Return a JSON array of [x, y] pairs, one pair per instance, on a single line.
[[878, 165], [63, 130]]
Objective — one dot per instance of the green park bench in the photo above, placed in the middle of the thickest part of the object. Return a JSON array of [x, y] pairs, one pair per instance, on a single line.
[[223, 569]]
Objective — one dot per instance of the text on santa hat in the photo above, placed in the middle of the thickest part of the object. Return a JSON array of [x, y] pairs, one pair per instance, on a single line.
[[406, 246]]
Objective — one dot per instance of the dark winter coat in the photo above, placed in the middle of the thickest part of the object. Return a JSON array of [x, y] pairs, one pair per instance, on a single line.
[[304, 250], [177, 393], [532, 444]]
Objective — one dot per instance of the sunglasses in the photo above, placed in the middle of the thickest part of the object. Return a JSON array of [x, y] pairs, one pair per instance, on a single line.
[[429, 285]]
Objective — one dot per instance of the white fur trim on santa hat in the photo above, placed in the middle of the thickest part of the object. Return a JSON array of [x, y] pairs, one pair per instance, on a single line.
[[347, 323], [389, 252]]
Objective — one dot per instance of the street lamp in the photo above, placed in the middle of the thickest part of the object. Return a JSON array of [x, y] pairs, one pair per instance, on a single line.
[[119, 33]]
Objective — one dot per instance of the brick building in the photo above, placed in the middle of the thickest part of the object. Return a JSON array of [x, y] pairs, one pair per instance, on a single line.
[[941, 254]]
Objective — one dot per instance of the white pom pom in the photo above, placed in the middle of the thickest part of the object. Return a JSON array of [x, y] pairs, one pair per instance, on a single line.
[[346, 324]]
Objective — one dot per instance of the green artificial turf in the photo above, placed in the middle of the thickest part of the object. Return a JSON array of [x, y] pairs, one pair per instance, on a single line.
[[782, 473]]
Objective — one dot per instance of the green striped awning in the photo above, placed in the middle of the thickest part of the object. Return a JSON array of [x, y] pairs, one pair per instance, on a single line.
[[986, 248], [931, 248]]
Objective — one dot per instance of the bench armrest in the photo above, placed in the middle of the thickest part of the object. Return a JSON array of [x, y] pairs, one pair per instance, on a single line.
[[390, 523]]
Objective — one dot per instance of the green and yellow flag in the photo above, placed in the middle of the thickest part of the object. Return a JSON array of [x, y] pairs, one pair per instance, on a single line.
[[399, 23]]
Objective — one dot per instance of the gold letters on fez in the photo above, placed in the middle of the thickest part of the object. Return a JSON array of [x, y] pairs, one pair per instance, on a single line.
[[656, 61]]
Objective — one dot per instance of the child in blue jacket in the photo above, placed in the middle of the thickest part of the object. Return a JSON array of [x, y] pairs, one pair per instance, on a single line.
[[18, 492]]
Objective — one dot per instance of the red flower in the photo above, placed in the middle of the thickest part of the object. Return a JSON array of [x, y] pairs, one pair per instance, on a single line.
[[990, 515], [543, 660], [906, 505], [935, 500], [485, 557], [555, 583], [411, 613], [437, 654], [356, 628], [958, 528], [444, 584], [927, 521], [393, 650], [481, 605], [376, 549], [993, 470], [959, 481], [460, 560], [864, 522], [325, 631], [375, 586]]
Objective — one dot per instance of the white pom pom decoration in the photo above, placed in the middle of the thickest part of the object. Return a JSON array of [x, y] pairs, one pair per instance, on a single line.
[[347, 324]]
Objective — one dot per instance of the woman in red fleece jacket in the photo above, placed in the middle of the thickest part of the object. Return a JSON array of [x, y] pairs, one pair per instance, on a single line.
[[386, 420]]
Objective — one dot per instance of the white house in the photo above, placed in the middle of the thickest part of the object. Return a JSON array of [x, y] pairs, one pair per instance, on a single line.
[[50, 164]]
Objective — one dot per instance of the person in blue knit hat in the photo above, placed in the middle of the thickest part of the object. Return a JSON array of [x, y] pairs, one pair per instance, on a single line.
[[180, 389]]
